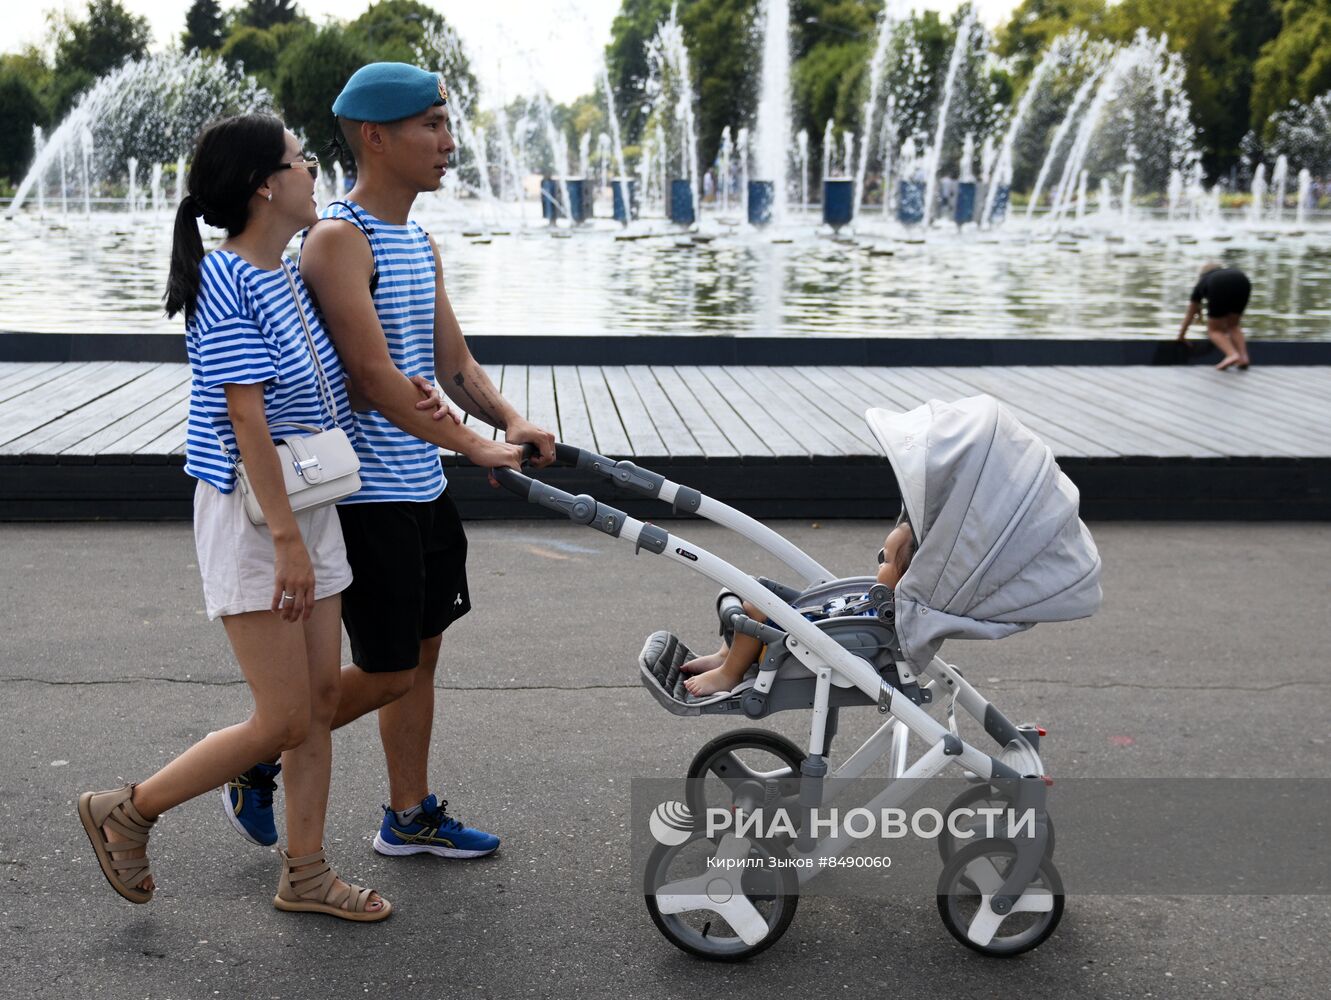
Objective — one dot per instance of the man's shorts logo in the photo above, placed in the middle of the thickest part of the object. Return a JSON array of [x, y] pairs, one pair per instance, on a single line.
[[671, 823]]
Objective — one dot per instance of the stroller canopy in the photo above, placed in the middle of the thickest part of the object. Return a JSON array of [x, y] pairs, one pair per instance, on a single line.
[[999, 544]]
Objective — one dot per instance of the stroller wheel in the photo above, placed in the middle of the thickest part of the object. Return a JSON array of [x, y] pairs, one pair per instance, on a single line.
[[743, 763], [973, 875], [698, 909], [979, 797]]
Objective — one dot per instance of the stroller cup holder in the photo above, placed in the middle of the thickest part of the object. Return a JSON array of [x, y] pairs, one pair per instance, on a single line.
[[828, 644]]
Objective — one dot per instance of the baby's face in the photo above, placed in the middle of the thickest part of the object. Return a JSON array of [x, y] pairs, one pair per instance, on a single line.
[[897, 553]]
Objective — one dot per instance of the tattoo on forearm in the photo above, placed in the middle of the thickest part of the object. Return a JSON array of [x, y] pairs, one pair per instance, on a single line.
[[485, 407]]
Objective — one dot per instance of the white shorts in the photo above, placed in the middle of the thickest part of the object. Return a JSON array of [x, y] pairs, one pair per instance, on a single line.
[[236, 557]]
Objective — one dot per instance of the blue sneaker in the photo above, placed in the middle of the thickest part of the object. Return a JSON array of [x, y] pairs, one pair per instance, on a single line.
[[432, 831], [248, 801]]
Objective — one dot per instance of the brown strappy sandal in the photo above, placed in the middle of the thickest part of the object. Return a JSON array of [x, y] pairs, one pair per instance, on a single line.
[[115, 808], [314, 890]]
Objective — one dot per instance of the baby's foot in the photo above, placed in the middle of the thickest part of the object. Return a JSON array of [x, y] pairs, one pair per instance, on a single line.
[[702, 664], [709, 683]]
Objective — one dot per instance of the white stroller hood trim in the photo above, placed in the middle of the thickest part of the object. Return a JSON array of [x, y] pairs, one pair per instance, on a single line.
[[1000, 545]]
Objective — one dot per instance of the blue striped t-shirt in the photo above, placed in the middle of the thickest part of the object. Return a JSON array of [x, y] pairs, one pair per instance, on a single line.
[[393, 464], [245, 329]]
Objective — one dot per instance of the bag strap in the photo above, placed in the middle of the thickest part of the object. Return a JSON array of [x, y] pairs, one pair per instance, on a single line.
[[325, 390]]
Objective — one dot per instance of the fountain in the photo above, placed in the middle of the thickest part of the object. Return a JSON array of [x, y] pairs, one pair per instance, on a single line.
[[149, 109], [829, 144], [726, 185], [802, 144], [742, 151], [1304, 196], [886, 23], [1279, 176], [773, 132], [940, 131], [1056, 143], [1063, 49], [965, 208], [132, 193], [670, 90], [1258, 191]]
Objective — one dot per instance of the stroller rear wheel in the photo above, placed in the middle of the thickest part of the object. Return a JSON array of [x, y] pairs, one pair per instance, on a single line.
[[972, 876], [753, 762], [979, 797], [698, 909]]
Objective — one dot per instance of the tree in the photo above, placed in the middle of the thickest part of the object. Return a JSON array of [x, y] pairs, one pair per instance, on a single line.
[[725, 54], [20, 110], [310, 75], [410, 32], [626, 58], [833, 44], [86, 50], [1036, 23], [254, 49], [264, 14], [203, 26], [1296, 64]]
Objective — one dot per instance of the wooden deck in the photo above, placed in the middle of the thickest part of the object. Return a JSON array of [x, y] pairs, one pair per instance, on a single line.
[[84, 438]]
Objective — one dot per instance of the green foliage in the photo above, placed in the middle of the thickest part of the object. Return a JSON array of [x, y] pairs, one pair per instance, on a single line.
[[20, 109], [203, 26], [265, 14], [310, 75], [833, 44], [1296, 64], [1036, 23], [394, 29], [254, 49], [410, 32], [88, 49], [725, 56], [626, 58]]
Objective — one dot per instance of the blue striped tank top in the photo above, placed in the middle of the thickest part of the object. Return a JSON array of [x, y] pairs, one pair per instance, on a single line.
[[393, 464], [245, 330]]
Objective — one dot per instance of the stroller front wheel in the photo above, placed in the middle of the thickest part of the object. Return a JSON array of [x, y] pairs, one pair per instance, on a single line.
[[698, 909], [972, 876]]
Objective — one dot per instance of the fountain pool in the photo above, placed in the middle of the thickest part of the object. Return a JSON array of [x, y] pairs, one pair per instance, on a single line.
[[104, 273]]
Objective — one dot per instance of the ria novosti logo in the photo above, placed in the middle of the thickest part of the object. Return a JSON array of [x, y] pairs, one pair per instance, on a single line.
[[671, 823]]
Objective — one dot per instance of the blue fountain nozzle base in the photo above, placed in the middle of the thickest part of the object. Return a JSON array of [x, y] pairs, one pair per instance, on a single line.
[[838, 201], [762, 195]]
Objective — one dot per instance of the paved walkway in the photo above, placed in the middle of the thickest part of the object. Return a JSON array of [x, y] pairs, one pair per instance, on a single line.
[[1208, 659]]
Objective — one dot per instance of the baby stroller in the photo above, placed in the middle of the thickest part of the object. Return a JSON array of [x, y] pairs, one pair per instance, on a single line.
[[1000, 547]]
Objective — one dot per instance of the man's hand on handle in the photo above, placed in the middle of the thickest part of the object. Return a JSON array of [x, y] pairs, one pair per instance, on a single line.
[[522, 431]]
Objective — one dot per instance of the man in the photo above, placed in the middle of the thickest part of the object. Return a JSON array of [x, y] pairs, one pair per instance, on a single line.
[[377, 280], [1226, 291]]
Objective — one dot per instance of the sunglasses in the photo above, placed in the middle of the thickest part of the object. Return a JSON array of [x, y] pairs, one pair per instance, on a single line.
[[311, 165]]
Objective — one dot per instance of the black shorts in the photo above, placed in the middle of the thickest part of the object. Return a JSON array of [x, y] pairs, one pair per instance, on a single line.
[[409, 578], [1227, 292]]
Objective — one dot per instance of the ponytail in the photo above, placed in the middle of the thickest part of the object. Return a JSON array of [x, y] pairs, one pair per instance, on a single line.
[[182, 283], [232, 157]]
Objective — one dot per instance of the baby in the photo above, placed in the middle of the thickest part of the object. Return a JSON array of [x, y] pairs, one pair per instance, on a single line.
[[722, 670]]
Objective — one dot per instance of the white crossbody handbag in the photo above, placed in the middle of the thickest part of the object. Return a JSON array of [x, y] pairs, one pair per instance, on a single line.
[[319, 467]]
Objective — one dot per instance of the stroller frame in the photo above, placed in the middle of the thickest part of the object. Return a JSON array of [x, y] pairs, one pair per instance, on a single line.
[[840, 678]]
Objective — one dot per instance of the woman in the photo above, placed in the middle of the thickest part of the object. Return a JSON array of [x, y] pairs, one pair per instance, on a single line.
[[1226, 291], [275, 587]]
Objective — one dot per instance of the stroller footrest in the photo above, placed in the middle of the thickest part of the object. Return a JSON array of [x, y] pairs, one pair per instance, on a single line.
[[659, 669]]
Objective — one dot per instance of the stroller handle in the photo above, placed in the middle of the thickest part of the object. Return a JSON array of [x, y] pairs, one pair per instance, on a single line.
[[584, 509]]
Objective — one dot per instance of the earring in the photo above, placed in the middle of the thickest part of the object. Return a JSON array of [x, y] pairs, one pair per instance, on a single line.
[[270, 196]]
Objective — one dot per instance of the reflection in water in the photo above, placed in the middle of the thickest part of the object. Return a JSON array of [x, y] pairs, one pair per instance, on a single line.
[[106, 275]]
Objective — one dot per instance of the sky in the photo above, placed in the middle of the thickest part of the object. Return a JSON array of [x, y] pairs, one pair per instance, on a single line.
[[516, 46]]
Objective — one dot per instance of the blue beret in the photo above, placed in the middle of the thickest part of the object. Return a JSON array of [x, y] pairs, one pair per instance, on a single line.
[[388, 92]]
